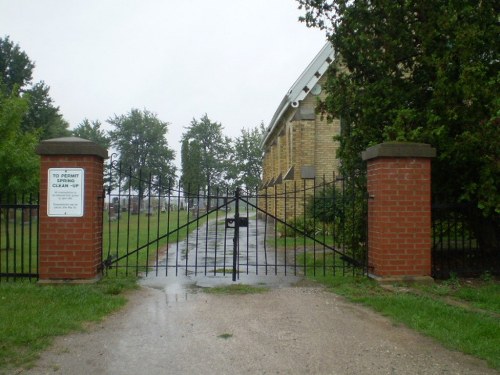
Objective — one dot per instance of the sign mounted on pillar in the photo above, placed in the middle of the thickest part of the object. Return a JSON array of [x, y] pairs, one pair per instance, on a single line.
[[71, 222], [65, 193]]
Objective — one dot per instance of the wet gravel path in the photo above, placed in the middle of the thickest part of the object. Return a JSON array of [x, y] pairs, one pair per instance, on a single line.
[[177, 329]]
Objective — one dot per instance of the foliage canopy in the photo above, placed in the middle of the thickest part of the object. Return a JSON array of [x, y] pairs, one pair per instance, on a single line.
[[204, 156], [18, 162], [16, 70], [140, 139], [245, 168], [27, 114], [92, 131], [211, 159], [420, 71]]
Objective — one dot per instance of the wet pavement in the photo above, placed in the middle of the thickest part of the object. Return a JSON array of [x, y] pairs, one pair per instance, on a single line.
[[209, 251], [205, 259], [171, 326], [177, 328]]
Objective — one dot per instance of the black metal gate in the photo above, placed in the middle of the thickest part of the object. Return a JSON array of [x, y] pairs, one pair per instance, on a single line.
[[318, 227]]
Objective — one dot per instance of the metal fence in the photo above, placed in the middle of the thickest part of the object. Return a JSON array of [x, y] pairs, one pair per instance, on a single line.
[[296, 229], [464, 242], [18, 237]]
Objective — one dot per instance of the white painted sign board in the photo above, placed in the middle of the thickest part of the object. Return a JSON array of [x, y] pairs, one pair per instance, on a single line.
[[65, 192]]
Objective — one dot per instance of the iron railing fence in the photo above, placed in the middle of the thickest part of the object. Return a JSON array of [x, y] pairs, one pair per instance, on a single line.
[[313, 227], [19, 233], [464, 243], [330, 213]]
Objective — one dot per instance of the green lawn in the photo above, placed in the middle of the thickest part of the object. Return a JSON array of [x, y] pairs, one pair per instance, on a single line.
[[235, 289], [31, 316]]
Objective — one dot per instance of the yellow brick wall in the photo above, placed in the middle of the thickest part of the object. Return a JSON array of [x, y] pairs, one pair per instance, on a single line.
[[299, 143], [282, 162]]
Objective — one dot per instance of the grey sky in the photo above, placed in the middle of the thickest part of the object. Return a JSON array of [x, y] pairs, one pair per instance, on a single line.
[[231, 59]]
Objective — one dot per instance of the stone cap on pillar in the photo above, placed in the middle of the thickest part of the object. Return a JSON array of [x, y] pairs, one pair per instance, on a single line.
[[399, 150], [70, 146]]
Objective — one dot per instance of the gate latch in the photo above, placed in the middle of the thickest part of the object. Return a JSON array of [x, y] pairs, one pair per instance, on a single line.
[[231, 222]]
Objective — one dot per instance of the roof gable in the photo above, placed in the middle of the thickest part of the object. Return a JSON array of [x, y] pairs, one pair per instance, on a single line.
[[306, 81]]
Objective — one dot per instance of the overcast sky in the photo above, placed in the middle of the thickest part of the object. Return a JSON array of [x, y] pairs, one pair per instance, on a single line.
[[231, 59]]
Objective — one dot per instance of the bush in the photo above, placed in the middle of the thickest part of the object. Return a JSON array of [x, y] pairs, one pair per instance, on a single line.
[[344, 213], [298, 227]]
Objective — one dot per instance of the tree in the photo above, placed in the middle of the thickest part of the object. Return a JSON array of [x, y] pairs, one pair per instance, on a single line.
[[192, 177], [212, 149], [140, 139], [245, 167], [42, 115], [424, 72], [92, 132], [15, 66], [16, 71], [19, 164]]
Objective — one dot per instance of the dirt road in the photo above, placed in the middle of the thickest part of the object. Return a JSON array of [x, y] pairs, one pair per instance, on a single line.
[[304, 329]]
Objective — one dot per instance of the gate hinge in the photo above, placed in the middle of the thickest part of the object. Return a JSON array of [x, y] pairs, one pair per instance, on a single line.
[[108, 262]]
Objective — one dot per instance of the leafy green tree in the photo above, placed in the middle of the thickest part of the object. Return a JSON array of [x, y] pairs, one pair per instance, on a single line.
[[211, 150], [245, 167], [19, 164], [42, 115], [140, 139], [192, 177], [16, 68], [92, 131], [422, 71]]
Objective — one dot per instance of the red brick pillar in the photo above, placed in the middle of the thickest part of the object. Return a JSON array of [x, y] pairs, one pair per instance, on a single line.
[[71, 205], [399, 210]]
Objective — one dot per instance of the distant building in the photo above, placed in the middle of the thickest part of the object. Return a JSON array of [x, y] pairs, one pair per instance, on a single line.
[[298, 146]]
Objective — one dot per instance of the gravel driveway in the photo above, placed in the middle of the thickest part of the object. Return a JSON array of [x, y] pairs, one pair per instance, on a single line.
[[175, 328]]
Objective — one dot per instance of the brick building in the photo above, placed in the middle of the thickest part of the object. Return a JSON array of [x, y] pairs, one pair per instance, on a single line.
[[298, 146]]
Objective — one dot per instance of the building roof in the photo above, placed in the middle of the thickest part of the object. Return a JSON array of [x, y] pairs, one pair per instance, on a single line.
[[299, 90]]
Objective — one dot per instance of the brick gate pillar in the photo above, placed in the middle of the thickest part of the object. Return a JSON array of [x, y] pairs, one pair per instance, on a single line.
[[399, 210], [71, 206]]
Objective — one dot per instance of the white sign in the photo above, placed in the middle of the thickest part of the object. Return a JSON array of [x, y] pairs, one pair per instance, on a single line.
[[65, 192]]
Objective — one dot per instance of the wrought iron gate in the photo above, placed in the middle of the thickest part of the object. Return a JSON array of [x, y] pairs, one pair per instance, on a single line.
[[287, 230]]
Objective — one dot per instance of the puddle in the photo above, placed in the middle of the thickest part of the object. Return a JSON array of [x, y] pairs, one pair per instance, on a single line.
[[211, 254], [184, 288]]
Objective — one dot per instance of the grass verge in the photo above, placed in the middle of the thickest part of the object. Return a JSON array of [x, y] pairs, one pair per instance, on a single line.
[[236, 289], [456, 327], [31, 315], [479, 294]]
